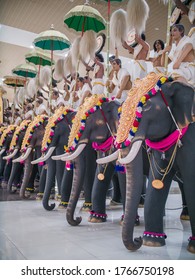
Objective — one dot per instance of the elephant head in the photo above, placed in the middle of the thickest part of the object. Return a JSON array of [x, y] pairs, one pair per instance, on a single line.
[[164, 107]]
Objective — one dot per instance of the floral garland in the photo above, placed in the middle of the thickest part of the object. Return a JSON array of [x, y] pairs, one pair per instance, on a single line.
[[72, 144], [50, 128], [30, 130], [138, 113], [10, 129], [24, 124]]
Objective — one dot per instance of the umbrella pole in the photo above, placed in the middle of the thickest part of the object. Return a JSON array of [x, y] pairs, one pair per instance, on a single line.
[[168, 34], [108, 45], [50, 88]]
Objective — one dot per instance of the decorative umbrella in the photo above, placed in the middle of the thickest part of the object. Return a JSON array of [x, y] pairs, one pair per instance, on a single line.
[[25, 70], [14, 81], [83, 18], [39, 57], [52, 40]]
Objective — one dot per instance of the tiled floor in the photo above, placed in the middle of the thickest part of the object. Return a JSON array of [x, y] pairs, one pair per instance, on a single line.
[[28, 232]]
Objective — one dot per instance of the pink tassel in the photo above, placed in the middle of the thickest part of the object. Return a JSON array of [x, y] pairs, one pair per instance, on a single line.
[[41, 163]]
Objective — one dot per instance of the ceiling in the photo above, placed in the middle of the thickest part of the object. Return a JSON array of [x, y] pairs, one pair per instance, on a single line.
[[37, 16]]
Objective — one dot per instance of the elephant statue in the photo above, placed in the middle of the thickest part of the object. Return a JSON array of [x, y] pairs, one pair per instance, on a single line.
[[31, 149], [5, 167], [14, 152], [55, 137], [160, 112], [95, 122]]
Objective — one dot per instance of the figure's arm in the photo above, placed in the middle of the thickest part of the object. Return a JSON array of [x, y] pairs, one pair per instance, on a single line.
[[139, 40], [88, 68], [127, 47], [185, 51]]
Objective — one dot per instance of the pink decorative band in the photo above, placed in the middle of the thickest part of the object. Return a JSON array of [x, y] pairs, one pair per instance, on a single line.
[[103, 147], [167, 142], [154, 234]]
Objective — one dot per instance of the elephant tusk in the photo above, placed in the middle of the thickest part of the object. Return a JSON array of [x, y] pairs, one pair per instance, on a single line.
[[132, 153], [109, 158], [49, 153], [74, 155], [11, 155], [17, 159], [25, 156], [2, 151], [58, 157]]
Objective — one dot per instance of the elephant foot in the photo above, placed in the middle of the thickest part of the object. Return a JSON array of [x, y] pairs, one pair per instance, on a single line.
[[58, 197], [137, 221], [39, 196], [154, 239], [63, 205], [184, 214], [86, 206], [142, 200], [4, 184], [191, 245], [97, 218], [82, 195], [30, 190]]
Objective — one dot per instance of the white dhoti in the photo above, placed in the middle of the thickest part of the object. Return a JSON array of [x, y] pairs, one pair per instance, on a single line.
[[186, 70], [159, 69], [97, 86], [139, 70]]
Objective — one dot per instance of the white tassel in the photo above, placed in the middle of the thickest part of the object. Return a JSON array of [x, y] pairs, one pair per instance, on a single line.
[[88, 45], [32, 88], [45, 76], [137, 15], [118, 27], [75, 50], [59, 69], [68, 65]]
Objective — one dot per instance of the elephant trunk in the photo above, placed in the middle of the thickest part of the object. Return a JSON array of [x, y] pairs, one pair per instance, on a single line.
[[78, 179], [50, 183], [15, 169], [27, 174], [134, 183]]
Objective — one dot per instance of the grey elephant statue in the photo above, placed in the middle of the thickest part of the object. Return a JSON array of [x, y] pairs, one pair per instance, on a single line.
[[54, 140], [162, 113], [5, 166], [14, 152], [94, 126], [31, 149]]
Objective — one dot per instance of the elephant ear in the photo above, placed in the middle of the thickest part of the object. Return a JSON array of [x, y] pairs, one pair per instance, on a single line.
[[183, 105]]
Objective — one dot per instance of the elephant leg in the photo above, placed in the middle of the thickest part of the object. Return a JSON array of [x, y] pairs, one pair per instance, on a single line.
[[30, 188], [50, 183], [16, 167], [116, 193], [66, 186], [154, 210], [6, 173], [99, 191], [184, 214], [59, 175], [27, 175], [42, 182], [89, 177]]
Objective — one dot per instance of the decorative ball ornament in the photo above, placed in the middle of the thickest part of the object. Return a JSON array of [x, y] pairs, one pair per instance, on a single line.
[[101, 176], [157, 184]]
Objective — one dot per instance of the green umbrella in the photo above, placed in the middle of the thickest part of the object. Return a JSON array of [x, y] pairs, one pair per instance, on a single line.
[[25, 70], [39, 57], [83, 18], [51, 40]]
